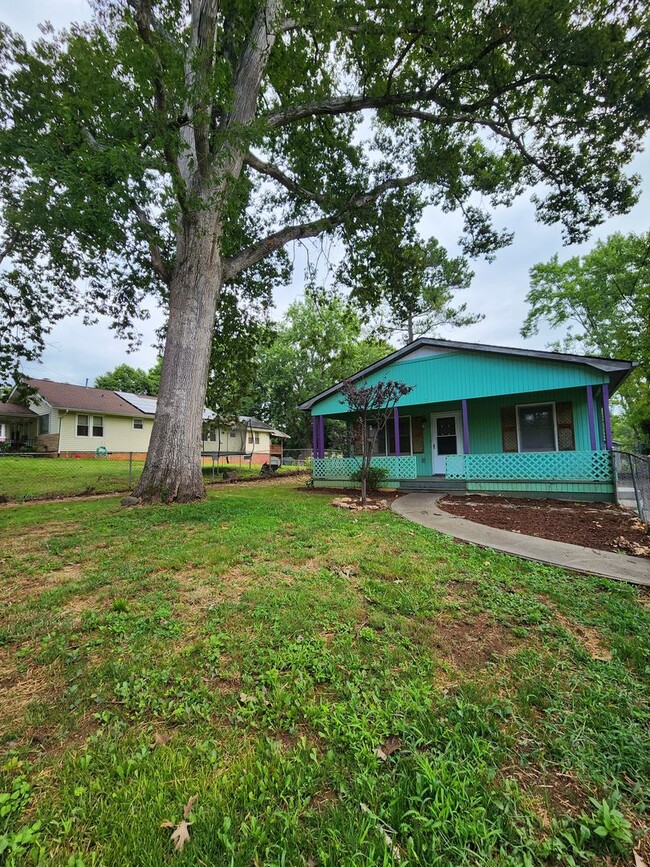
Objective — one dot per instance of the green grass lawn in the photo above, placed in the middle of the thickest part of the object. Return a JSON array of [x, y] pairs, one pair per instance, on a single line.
[[336, 688], [28, 478]]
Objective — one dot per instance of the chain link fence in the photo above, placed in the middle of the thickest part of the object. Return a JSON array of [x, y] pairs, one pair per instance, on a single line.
[[304, 457], [35, 476], [632, 474]]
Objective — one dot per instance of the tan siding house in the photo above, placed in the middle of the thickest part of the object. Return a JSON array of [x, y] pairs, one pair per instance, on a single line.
[[70, 420]]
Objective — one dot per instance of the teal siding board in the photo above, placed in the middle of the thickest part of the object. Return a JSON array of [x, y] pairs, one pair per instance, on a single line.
[[452, 377], [485, 417]]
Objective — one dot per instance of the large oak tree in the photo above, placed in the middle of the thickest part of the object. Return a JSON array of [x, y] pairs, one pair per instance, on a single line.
[[176, 147]]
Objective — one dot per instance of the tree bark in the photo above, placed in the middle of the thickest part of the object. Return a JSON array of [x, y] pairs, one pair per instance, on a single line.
[[173, 471]]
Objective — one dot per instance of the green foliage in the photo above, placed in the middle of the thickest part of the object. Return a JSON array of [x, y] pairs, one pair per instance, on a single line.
[[407, 286], [132, 379], [319, 343], [108, 146], [376, 476], [610, 825], [602, 300]]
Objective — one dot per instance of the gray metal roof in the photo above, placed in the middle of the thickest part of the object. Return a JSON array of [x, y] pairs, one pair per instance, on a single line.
[[618, 368]]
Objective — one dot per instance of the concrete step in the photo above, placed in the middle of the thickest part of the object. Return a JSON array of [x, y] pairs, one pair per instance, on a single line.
[[435, 485]]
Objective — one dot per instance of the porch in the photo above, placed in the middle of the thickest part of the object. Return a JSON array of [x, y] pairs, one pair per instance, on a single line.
[[543, 444]]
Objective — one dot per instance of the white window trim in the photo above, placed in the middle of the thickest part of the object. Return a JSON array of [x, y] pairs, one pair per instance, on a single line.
[[519, 406], [76, 425], [48, 417], [141, 421]]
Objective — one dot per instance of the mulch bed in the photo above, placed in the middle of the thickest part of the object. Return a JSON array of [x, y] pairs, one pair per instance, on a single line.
[[594, 525]]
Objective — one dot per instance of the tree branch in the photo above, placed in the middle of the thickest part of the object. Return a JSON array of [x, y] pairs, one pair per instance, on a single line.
[[273, 171], [145, 22], [359, 102], [200, 56], [258, 251], [158, 263]]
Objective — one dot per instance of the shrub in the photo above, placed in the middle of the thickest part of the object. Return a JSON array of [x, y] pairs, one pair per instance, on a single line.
[[376, 477]]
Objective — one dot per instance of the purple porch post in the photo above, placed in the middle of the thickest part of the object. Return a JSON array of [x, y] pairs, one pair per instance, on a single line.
[[396, 427], [607, 418], [322, 436], [591, 416], [463, 406], [314, 435]]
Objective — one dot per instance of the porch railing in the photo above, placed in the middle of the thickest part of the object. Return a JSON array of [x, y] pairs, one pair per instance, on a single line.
[[340, 469], [532, 466]]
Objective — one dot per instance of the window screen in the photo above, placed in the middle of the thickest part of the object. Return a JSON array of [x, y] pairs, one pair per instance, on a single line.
[[536, 428]]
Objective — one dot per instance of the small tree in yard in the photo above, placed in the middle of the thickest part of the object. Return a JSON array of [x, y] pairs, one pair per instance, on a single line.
[[373, 406]]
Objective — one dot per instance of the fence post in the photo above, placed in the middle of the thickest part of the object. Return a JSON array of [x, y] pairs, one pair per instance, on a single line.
[[635, 484], [130, 469]]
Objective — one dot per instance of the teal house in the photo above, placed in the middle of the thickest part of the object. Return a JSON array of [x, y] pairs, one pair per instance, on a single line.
[[485, 418]]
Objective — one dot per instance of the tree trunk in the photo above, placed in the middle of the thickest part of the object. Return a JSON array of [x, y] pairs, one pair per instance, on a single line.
[[409, 325], [173, 471]]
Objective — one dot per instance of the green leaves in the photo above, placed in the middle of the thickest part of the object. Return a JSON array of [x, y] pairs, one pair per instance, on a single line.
[[602, 301]]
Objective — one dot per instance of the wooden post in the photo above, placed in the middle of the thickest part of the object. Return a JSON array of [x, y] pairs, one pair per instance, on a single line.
[[314, 436], [396, 428], [591, 417], [322, 435], [607, 418], [463, 405]]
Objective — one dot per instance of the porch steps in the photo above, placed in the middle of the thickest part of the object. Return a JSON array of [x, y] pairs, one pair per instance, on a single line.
[[433, 484]]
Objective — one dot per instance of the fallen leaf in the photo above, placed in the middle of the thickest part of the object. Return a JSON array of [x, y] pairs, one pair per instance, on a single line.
[[180, 836], [245, 698], [159, 740], [390, 745], [638, 860], [167, 824], [311, 862], [187, 809]]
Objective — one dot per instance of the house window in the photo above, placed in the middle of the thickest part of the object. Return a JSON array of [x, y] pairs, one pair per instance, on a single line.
[[233, 432], [250, 439], [386, 439], [138, 424], [82, 425], [257, 438], [98, 426], [536, 428], [44, 424]]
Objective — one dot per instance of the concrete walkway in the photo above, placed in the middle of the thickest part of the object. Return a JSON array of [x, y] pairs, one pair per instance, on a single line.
[[423, 509]]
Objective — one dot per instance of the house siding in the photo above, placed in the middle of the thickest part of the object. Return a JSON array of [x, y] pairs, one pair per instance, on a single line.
[[454, 376], [119, 435], [484, 417]]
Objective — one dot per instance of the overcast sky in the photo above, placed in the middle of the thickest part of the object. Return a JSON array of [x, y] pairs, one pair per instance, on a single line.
[[76, 353]]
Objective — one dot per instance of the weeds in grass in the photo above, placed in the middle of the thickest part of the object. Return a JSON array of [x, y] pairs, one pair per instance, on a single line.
[[317, 638]]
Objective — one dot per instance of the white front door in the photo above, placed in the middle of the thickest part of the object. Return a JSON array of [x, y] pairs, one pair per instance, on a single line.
[[446, 438]]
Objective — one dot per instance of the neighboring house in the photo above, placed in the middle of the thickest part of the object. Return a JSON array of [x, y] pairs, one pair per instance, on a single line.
[[71, 420], [486, 418], [17, 426]]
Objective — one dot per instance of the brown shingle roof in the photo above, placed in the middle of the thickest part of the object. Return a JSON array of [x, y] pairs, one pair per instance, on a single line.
[[65, 396], [16, 409]]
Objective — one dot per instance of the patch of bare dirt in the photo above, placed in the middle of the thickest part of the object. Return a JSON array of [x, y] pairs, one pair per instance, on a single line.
[[19, 688], [552, 790], [587, 636], [323, 799], [470, 644], [603, 526], [23, 586], [284, 479]]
